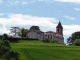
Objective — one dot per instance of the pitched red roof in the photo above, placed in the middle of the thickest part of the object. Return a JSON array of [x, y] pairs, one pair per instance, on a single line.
[[59, 25]]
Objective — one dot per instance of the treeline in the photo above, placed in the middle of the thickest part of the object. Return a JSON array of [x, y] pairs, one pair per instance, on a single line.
[[74, 39]]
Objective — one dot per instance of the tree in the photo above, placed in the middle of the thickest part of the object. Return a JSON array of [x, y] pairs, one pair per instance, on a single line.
[[73, 37], [4, 47], [15, 30], [23, 32], [6, 53], [11, 55], [76, 42], [5, 36], [34, 28]]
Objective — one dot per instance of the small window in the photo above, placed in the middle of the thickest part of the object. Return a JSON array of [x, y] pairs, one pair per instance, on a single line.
[[51, 36], [58, 30], [48, 36]]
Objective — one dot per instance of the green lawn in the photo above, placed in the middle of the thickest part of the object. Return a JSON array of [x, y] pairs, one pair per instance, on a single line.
[[36, 50]]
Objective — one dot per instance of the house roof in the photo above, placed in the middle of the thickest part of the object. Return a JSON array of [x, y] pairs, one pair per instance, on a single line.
[[37, 31], [59, 25], [50, 32]]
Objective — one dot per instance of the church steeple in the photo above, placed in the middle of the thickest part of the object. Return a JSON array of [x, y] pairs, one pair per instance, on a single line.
[[59, 28]]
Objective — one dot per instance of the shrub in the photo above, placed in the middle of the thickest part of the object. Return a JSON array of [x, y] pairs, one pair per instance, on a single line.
[[6, 53], [47, 40], [5, 36], [11, 55], [76, 42], [52, 41]]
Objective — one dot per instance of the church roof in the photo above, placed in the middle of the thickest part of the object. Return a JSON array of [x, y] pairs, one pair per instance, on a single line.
[[50, 32], [59, 25]]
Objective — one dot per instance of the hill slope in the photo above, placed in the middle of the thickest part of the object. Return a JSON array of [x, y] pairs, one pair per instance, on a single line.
[[36, 50]]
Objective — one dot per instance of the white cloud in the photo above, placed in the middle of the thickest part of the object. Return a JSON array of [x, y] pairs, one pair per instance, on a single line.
[[69, 29], [70, 18], [77, 9], [72, 1], [12, 20]]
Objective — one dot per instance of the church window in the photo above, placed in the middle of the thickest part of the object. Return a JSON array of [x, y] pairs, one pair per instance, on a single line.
[[51, 36], [48, 36], [58, 30]]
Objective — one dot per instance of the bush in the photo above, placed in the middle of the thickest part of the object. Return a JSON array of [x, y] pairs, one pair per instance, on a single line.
[[5, 36], [52, 41], [11, 55], [4, 47], [47, 40], [6, 53], [76, 42]]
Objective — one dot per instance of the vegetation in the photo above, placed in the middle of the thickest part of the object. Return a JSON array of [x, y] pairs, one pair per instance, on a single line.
[[73, 37], [47, 40], [34, 28], [5, 50], [4, 37], [76, 42], [23, 32], [15, 30], [37, 50]]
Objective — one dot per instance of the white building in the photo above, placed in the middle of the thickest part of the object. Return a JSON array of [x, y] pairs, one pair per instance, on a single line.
[[56, 36]]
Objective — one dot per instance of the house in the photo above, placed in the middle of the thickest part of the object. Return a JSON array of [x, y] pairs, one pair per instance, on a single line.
[[35, 34], [56, 36]]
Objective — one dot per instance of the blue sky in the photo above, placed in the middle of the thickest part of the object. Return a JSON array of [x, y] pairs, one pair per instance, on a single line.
[[44, 13]]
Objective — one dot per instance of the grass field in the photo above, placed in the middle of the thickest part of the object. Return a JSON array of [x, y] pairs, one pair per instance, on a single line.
[[36, 50]]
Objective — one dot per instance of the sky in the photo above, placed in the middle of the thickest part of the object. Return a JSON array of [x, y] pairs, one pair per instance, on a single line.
[[44, 13]]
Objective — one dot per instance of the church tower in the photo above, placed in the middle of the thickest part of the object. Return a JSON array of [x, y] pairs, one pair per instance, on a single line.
[[59, 29]]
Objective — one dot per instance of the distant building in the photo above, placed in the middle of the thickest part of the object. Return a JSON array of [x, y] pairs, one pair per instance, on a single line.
[[56, 36], [35, 34]]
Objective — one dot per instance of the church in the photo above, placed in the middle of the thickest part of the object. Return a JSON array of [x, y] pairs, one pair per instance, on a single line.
[[56, 36]]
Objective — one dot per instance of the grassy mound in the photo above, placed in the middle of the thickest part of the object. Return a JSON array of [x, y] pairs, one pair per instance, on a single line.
[[36, 50]]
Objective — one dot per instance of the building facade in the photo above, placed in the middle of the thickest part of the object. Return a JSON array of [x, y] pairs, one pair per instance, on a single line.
[[56, 36], [35, 34]]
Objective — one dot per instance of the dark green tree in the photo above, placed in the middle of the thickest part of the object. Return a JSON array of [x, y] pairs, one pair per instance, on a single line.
[[11, 55], [23, 32], [6, 53], [34, 28], [76, 42], [4, 47], [5, 36], [73, 37]]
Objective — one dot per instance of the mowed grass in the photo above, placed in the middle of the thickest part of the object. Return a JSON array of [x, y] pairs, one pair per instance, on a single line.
[[37, 50]]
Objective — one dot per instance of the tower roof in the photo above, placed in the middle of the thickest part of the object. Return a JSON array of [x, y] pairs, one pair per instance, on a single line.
[[59, 25]]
